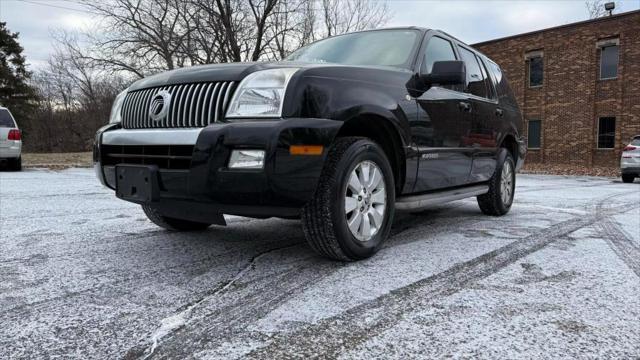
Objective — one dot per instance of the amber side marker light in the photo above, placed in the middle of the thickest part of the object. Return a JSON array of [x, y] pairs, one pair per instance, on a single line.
[[305, 149]]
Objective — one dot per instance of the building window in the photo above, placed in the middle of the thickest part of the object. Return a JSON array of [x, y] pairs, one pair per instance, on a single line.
[[536, 70], [534, 134], [609, 62], [606, 132]]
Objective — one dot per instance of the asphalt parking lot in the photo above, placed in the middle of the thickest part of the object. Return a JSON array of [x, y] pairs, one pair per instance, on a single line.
[[84, 275]]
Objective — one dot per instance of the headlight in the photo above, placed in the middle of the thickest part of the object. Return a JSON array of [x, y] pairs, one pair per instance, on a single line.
[[261, 94], [115, 116]]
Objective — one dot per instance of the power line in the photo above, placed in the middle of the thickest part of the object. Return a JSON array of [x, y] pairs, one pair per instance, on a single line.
[[56, 6]]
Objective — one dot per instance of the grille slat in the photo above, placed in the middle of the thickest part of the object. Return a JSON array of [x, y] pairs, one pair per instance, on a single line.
[[222, 90], [196, 93], [205, 98], [216, 93], [192, 105]]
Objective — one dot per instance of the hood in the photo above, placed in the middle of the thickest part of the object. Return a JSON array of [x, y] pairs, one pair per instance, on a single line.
[[224, 72]]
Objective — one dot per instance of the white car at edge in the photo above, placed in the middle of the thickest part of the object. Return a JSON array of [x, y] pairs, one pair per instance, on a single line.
[[10, 141], [630, 160]]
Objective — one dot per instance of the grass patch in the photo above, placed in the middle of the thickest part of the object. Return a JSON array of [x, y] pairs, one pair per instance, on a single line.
[[57, 160]]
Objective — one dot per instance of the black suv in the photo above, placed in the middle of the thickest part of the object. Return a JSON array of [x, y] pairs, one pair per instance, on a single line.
[[341, 134]]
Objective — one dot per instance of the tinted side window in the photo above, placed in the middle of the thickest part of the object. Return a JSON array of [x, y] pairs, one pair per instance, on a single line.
[[5, 119], [489, 84], [475, 77], [505, 94], [438, 49]]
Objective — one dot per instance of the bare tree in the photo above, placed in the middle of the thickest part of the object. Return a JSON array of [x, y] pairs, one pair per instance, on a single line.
[[342, 16], [141, 36]]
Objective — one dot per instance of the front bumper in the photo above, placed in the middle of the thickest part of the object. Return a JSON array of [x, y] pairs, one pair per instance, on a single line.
[[281, 188]]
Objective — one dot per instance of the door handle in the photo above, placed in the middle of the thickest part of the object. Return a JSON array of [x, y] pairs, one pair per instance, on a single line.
[[499, 112], [464, 106]]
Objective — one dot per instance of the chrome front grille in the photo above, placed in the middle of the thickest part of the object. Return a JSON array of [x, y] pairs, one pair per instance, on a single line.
[[191, 105]]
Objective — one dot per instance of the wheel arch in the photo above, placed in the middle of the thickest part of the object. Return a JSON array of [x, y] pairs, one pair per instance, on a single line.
[[509, 142], [384, 132]]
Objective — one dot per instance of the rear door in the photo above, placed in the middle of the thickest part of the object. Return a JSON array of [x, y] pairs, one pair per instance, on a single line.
[[6, 123], [438, 129]]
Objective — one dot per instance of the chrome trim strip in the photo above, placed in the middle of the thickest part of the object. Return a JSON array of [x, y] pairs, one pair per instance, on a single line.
[[419, 202], [170, 136]]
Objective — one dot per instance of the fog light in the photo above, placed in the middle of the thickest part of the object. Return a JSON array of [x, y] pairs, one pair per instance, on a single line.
[[246, 159]]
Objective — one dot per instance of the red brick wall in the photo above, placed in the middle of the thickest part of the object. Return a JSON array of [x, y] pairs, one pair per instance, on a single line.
[[572, 97]]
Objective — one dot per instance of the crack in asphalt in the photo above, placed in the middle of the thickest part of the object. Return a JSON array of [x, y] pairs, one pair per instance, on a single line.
[[330, 337], [176, 321]]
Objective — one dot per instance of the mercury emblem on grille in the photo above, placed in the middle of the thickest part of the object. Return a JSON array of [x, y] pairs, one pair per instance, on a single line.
[[160, 105]]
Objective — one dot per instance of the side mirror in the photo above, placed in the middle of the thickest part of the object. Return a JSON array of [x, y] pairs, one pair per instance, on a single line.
[[446, 73]]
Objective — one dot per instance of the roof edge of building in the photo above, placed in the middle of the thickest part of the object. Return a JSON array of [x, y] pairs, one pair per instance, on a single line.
[[600, 19]]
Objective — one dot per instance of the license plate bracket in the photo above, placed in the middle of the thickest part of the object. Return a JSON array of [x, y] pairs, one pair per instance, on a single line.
[[137, 183]]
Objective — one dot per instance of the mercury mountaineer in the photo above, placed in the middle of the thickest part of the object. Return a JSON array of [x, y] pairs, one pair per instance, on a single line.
[[341, 134]]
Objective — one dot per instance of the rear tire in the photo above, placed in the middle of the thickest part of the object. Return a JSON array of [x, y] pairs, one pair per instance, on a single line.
[[628, 178], [15, 164], [172, 224], [350, 193], [502, 185]]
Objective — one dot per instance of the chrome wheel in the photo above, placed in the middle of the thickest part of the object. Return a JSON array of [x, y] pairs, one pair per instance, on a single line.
[[506, 183], [365, 200]]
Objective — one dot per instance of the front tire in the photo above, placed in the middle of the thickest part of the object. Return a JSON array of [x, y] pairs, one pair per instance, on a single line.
[[628, 178], [502, 185], [350, 215], [172, 224]]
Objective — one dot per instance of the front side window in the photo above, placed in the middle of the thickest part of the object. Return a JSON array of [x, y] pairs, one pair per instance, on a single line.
[[534, 134], [606, 132], [475, 76], [438, 49], [5, 119], [609, 62], [376, 48], [536, 71]]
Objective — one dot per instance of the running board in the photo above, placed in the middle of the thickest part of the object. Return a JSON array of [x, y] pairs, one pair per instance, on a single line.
[[420, 202]]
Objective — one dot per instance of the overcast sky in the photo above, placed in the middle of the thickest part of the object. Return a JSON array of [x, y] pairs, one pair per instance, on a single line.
[[471, 21]]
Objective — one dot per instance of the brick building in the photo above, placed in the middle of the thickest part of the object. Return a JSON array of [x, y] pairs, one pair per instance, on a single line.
[[578, 86]]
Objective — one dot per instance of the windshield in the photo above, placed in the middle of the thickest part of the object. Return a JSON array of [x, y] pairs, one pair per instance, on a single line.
[[380, 47], [635, 142], [5, 119]]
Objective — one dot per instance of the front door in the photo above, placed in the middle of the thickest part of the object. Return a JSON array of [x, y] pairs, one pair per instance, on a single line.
[[439, 129]]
